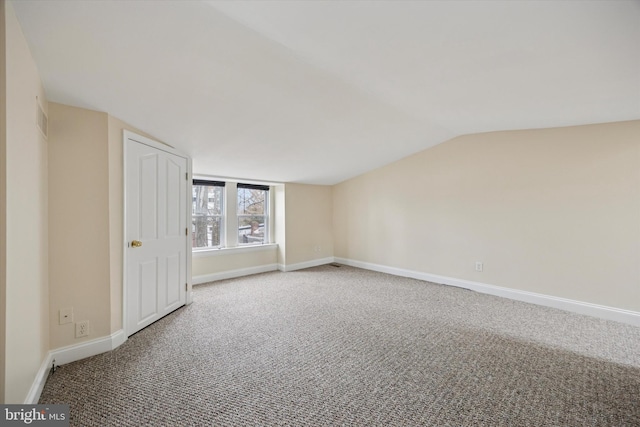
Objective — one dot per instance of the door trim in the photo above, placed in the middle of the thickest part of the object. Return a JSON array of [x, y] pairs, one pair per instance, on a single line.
[[128, 135]]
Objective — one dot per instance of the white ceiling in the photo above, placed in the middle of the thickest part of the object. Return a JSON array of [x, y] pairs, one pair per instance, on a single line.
[[321, 91]]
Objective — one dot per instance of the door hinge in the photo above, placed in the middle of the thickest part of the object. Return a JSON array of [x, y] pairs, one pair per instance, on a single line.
[[186, 231], [186, 176], [186, 286]]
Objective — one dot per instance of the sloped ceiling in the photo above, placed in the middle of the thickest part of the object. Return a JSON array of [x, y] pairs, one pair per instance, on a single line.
[[321, 91]]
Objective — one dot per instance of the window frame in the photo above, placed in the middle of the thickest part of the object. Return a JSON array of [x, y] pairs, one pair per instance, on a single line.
[[265, 226], [229, 239], [221, 215]]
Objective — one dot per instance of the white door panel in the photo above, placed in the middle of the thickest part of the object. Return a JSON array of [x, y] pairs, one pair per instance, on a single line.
[[174, 209], [147, 292], [156, 216], [173, 276], [147, 196]]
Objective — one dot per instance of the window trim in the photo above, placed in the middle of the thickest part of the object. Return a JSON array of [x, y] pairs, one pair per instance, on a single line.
[[229, 237], [266, 214], [222, 216]]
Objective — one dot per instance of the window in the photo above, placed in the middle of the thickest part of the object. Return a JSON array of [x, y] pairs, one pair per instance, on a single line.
[[229, 215], [207, 223], [252, 212]]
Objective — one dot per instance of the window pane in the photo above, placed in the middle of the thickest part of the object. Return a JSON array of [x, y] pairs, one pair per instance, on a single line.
[[251, 202], [207, 215], [251, 229], [252, 215], [207, 200], [207, 231]]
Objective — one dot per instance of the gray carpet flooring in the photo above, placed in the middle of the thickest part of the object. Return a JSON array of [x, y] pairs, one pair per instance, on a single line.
[[331, 346]]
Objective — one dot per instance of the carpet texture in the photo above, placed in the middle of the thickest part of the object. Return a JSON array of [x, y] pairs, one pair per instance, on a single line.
[[331, 346]]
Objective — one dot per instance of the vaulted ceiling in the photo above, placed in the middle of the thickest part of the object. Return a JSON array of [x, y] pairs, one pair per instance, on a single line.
[[321, 91]]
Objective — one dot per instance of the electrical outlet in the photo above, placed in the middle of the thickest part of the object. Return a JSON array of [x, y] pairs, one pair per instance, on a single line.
[[479, 266], [82, 328], [317, 248], [65, 316]]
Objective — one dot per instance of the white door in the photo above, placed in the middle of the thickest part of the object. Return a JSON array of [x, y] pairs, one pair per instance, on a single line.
[[156, 183]]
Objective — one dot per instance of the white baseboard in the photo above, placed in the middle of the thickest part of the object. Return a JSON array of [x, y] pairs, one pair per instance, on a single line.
[[69, 354], [231, 274], [306, 264], [205, 278], [580, 307], [41, 378], [75, 352]]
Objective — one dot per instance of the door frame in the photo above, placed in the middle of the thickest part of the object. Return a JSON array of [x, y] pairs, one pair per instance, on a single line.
[[126, 136]]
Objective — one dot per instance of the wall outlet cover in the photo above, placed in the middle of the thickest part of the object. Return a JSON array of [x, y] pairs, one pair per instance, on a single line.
[[82, 329]]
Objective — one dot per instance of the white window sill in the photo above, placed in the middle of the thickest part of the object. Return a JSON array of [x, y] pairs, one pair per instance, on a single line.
[[199, 253]]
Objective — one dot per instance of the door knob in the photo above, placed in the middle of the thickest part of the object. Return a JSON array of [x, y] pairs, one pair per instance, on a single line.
[[136, 243]]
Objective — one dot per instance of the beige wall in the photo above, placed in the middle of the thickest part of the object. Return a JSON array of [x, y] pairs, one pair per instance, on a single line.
[[116, 206], [79, 221], [86, 188], [553, 211], [280, 223], [220, 263], [27, 293], [309, 223]]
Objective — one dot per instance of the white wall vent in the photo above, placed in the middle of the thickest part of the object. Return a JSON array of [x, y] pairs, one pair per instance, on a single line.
[[42, 120]]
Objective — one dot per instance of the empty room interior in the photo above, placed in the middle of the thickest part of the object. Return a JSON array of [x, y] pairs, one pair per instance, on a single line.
[[318, 213]]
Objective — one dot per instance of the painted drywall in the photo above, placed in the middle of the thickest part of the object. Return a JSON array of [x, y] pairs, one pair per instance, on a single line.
[[309, 223], [280, 223], [116, 203], [27, 292], [3, 195], [78, 221], [219, 262], [552, 211], [86, 184]]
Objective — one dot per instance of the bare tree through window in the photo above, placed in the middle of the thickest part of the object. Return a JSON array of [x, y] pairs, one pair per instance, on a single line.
[[252, 213], [207, 216]]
